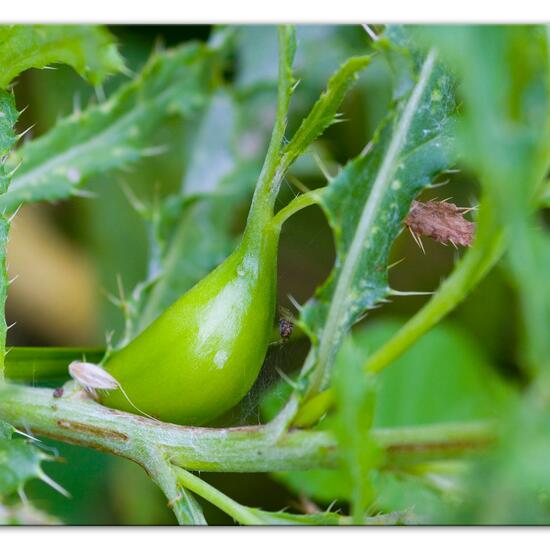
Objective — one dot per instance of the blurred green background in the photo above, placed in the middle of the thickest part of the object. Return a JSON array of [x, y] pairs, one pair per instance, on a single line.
[[83, 244]]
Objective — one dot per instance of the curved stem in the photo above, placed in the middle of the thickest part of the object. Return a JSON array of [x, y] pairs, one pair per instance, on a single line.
[[295, 205], [242, 514]]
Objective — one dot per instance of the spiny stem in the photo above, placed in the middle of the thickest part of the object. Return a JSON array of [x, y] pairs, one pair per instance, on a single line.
[[269, 180]]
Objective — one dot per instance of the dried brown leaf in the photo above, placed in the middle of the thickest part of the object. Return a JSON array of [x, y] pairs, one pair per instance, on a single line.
[[442, 221]]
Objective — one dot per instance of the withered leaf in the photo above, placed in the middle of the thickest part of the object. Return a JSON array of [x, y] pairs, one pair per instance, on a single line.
[[442, 221]]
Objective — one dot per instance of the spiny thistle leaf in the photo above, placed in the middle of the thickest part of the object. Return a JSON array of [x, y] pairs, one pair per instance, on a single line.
[[324, 112], [8, 138], [114, 134], [90, 50], [21, 461], [8, 118], [221, 178], [367, 203], [193, 231]]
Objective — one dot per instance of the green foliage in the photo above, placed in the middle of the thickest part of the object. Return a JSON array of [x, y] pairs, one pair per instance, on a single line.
[[510, 485], [412, 146], [324, 112], [443, 377], [20, 461], [90, 50], [115, 133], [8, 138], [355, 401], [505, 139], [8, 118], [504, 136], [200, 216], [392, 379]]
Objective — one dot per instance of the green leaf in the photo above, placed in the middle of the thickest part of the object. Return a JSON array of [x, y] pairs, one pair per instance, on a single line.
[[365, 206], [324, 112], [505, 137], [355, 400], [8, 118], [90, 50], [444, 377], [8, 138], [33, 364], [192, 233], [420, 388], [19, 462], [116, 133]]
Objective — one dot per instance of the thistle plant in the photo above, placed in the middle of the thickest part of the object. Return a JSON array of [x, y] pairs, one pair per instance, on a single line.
[[363, 422]]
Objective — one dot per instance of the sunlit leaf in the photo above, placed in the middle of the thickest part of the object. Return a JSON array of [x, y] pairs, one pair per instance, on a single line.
[[90, 50]]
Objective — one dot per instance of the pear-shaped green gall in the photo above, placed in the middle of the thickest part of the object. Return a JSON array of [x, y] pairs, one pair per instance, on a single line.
[[202, 355]]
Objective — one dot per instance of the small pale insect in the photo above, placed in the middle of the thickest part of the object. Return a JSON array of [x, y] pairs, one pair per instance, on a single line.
[[92, 377]]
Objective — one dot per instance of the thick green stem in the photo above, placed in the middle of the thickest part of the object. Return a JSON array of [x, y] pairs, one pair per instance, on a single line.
[[84, 422], [270, 178]]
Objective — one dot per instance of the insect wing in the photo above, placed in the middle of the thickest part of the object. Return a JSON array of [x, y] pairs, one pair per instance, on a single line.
[[92, 376]]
